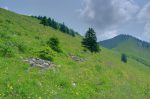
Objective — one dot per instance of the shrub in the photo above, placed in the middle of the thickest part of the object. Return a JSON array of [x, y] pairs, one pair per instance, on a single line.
[[22, 47], [46, 54], [6, 51], [54, 44], [124, 58]]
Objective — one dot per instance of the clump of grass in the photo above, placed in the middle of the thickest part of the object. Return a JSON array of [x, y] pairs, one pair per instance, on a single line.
[[22, 47], [98, 68], [46, 54], [62, 82], [146, 90], [54, 44], [6, 50], [37, 37]]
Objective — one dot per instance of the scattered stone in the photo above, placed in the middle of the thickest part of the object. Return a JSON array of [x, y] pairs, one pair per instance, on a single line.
[[76, 58], [37, 62]]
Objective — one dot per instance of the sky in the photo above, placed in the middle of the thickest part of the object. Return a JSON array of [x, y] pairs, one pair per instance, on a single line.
[[109, 18]]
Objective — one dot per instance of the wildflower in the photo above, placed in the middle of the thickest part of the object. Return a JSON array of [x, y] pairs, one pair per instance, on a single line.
[[77, 93], [11, 87], [40, 97]]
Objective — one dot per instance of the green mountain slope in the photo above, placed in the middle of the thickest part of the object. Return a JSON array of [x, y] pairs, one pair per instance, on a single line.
[[100, 76], [135, 48]]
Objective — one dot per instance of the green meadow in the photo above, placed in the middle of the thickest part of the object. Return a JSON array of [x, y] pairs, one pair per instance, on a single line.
[[101, 76]]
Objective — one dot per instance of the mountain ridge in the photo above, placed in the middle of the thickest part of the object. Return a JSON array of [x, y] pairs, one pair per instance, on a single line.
[[123, 37], [133, 47]]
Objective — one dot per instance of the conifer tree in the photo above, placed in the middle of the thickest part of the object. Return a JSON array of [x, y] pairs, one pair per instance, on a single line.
[[44, 21], [124, 58], [90, 41]]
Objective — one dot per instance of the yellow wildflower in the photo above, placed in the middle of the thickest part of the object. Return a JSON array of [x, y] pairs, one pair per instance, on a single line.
[[40, 97], [11, 87], [77, 93]]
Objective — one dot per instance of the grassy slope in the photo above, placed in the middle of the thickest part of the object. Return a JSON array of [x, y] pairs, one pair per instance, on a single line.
[[129, 46], [101, 76]]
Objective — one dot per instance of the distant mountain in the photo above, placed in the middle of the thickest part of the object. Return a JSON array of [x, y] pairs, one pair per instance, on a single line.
[[114, 42], [133, 47]]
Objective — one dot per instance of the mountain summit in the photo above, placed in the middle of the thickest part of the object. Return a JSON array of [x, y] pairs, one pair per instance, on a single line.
[[135, 48]]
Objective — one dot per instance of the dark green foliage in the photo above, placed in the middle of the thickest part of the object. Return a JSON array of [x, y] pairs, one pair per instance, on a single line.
[[44, 21], [64, 28], [46, 54], [22, 47], [54, 24], [124, 58], [6, 50], [90, 41], [58, 26], [54, 44], [73, 33]]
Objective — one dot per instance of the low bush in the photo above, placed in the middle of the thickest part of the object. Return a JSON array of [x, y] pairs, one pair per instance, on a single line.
[[46, 54], [21, 47], [6, 51], [124, 58], [54, 44]]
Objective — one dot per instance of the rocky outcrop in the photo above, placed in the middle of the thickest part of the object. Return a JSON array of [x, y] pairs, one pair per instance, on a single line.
[[78, 59], [37, 62]]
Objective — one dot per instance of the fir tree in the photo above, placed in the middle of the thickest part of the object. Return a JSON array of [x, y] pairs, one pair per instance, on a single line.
[[90, 41], [124, 58]]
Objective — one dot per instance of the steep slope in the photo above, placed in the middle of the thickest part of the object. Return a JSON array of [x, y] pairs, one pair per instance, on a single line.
[[100, 76], [135, 48]]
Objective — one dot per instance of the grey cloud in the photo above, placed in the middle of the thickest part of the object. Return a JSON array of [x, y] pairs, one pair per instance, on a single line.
[[108, 14], [143, 15]]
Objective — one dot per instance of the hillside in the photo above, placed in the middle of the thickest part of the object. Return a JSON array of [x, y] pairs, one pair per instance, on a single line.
[[135, 48], [99, 76]]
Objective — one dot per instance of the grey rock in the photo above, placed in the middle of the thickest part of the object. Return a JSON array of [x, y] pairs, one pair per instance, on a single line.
[[37, 62], [78, 59]]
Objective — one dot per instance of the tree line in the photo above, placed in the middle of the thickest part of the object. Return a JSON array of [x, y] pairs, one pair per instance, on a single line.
[[56, 25], [89, 41]]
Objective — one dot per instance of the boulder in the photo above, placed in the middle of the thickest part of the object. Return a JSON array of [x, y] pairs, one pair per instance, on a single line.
[[37, 62]]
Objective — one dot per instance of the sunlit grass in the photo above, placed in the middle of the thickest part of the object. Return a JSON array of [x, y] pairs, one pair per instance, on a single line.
[[101, 76]]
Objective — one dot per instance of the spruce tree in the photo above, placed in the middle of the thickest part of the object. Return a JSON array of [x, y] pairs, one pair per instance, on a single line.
[[55, 24], [124, 58], [49, 22], [90, 41], [63, 28], [44, 21]]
